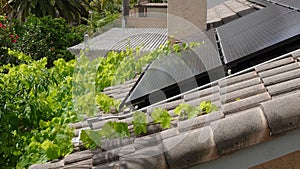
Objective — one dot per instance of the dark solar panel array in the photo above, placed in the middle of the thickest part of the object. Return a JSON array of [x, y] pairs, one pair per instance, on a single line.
[[262, 30], [176, 69]]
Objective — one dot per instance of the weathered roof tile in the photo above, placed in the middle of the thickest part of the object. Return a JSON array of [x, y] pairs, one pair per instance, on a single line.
[[48, 165], [199, 121], [240, 130], [239, 8], [283, 114], [201, 93], [214, 97], [150, 158], [296, 53], [282, 77], [213, 18], [225, 13], [190, 148], [241, 85], [243, 93], [121, 151], [284, 87], [237, 79], [116, 143], [167, 106], [245, 103], [169, 133], [278, 70], [79, 125], [78, 156], [147, 141], [98, 125], [274, 64], [84, 164], [104, 157]]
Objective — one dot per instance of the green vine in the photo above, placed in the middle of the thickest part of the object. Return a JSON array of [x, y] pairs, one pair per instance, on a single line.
[[140, 122], [162, 116]]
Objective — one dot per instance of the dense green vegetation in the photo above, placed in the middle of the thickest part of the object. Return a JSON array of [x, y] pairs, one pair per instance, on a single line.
[[43, 88], [39, 37]]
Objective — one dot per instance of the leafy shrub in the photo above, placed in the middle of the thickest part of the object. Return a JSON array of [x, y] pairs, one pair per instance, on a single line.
[[107, 104], [29, 94], [8, 39], [48, 37]]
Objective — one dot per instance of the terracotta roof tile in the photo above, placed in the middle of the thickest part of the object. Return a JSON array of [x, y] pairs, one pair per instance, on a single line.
[[246, 103], [243, 93], [225, 13], [79, 156], [150, 157], [201, 93], [241, 85], [238, 79], [189, 148], [199, 121], [197, 101], [283, 114], [238, 7], [284, 87], [282, 77], [85, 164], [240, 130], [116, 143], [274, 64], [280, 69], [147, 141], [104, 157]]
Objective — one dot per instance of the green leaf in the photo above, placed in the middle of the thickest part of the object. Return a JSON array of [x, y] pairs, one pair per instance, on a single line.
[[161, 116], [108, 130], [91, 139], [52, 150], [122, 129], [140, 122], [207, 107]]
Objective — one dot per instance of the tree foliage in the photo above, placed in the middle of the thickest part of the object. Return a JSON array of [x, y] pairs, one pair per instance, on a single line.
[[71, 10]]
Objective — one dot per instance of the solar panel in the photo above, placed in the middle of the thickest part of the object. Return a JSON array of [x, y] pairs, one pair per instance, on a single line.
[[177, 73], [251, 35]]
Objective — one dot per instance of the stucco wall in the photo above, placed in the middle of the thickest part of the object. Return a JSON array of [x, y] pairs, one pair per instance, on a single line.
[[186, 17]]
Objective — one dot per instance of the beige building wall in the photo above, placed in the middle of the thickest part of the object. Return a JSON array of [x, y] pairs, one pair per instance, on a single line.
[[186, 17], [289, 161]]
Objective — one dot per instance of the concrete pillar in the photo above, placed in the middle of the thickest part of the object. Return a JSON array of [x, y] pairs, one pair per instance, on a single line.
[[186, 17]]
